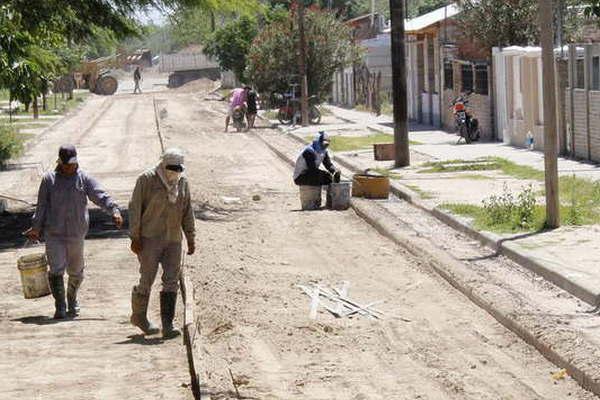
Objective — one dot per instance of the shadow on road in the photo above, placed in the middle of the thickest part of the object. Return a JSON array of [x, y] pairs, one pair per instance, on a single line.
[[46, 320], [142, 340]]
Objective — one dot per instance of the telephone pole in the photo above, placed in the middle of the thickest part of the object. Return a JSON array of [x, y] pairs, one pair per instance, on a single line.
[[397, 13], [302, 64], [546, 21]]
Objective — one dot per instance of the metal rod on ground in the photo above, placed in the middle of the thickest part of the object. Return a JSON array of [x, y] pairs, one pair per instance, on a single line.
[[550, 135], [302, 64], [189, 328], [157, 120], [234, 385], [399, 84]]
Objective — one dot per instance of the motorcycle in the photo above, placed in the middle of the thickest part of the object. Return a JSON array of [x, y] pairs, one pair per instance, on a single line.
[[290, 108], [465, 124], [238, 118]]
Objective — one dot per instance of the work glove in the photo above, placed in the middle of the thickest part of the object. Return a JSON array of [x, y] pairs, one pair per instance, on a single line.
[[117, 219], [33, 234], [336, 176], [136, 246]]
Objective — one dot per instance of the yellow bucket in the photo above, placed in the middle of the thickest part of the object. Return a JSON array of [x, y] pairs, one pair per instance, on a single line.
[[33, 269]]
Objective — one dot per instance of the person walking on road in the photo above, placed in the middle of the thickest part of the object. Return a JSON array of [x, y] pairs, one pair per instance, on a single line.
[[62, 219], [307, 171], [160, 210], [137, 78]]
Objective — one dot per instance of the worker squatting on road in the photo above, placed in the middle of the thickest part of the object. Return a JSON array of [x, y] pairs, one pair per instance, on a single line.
[[159, 210], [62, 219], [237, 99], [307, 171]]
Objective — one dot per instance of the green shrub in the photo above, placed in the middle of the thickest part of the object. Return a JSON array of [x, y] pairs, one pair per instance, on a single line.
[[506, 210], [11, 145]]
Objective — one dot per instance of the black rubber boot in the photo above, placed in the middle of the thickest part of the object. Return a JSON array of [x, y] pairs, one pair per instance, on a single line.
[[57, 287], [72, 303], [167, 313], [139, 310]]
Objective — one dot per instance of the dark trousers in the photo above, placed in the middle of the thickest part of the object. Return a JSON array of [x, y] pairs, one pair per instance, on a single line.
[[314, 178]]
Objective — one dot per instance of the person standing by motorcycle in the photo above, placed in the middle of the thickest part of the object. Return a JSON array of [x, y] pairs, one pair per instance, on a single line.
[[252, 108], [237, 98]]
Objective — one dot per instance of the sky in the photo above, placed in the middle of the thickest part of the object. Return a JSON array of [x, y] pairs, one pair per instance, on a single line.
[[153, 15]]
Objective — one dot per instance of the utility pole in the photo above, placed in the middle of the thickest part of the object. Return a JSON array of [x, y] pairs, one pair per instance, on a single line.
[[302, 65], [546, 21], [399, 84]]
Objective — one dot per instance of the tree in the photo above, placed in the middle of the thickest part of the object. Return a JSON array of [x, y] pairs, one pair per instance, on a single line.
[[499, 23], [329, 49], [231, 43]]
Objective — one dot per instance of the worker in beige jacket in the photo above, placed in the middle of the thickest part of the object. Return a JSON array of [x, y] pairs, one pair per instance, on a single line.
[[160, 211]]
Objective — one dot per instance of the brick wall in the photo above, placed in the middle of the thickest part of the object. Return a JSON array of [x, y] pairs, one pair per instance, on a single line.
[[579, 125], [595, 125]]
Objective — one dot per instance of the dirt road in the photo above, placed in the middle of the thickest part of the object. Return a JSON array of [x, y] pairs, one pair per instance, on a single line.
[[432, 344], [254, 247], [100, 355]]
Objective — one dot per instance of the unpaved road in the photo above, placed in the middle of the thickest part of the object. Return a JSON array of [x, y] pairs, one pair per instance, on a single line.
[[99, 355], [433, 343]]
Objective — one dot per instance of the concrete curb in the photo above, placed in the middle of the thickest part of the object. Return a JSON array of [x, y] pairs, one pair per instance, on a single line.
[[500, 245], [442, 263]]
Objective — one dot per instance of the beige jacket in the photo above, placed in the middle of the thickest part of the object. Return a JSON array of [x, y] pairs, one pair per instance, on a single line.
[[152, 216]]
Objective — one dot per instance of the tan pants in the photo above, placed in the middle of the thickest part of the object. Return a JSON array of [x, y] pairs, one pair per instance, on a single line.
[[168, 254]]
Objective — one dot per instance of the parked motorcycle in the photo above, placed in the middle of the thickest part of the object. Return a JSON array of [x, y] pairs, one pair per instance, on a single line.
[[466, 125], [290, 109]]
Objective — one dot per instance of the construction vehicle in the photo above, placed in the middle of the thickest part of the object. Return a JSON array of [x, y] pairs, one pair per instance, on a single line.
[[96, 74]]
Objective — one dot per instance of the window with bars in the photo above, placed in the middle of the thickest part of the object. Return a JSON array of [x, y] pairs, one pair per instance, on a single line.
[[580, 74], [448, 76], [481, 79], [467, 77]]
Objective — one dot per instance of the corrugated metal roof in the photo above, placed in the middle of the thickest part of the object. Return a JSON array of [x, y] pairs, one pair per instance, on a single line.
[[431, 18]]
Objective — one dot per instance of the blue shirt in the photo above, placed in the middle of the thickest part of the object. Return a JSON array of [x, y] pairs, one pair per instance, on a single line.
[[61, 210]]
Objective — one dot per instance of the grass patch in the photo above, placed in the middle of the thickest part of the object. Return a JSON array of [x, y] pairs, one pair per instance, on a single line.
[[30, 126], [422, 193], [3, 95], [325, 111], [387, 172], [270, 114], [350, 143], [484, 164], [474, 177], [11, 144], [62, 106], [580, 205]]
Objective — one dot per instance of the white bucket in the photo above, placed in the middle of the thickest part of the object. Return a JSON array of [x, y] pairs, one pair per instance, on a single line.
[[340, 195], [310, 197], [33, 269]]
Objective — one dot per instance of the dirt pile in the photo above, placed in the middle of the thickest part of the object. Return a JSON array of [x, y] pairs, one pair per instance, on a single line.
[[198, 85]]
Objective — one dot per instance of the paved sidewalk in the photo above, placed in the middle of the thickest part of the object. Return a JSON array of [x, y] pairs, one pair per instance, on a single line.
[[567, 256]]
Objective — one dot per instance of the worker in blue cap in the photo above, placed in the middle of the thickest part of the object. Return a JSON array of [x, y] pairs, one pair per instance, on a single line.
[[61, 218]]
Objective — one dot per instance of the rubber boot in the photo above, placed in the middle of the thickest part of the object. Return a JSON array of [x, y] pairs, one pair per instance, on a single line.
[[72, 303], [57, 287], [139, 309], [167, 313]]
